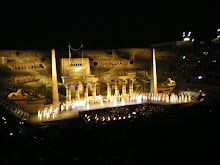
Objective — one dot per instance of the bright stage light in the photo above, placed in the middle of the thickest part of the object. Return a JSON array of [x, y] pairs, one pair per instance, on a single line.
[[122, 101], [200, 77], [186, 39], [115, 102], [87, 106]]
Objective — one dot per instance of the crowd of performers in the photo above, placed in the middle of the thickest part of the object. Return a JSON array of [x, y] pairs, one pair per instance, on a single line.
[[48, 113], [159, 97], [51, 112]]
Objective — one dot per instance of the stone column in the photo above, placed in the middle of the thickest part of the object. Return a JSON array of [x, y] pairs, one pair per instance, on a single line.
[[153, 85], [131, 87], [116, 89], [54, 79], [77, 95], [4, 60], [86, 94], [124, 87], [68, 93], [108, 90], [94, 89]]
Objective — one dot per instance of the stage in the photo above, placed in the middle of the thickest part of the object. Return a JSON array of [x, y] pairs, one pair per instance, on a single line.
[[74, 113]]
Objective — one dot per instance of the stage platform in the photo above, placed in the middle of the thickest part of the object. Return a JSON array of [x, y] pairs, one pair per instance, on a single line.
[[74, 113]]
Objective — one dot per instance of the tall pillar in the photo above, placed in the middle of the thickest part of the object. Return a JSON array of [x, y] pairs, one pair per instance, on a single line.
[[68, 93], [86, 94], [131, 87], [108, 90], [54, 79], [124, 87], [77, 95], [4, 60], [153, 85], [116, 89], [93, 89]]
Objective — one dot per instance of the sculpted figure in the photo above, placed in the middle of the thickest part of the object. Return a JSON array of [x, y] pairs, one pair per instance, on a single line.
[[17, 95]]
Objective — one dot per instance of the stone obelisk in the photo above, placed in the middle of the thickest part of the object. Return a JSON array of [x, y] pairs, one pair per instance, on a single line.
[[54, 80], [153, 85]]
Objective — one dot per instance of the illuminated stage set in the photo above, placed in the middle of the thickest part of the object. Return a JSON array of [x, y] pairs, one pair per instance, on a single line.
[[79, 83]]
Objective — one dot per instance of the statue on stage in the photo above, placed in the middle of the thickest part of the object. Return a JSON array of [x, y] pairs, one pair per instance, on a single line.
[[17, 95]]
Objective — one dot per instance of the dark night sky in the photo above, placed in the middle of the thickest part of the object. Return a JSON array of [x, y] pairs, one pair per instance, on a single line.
[[45, 26]]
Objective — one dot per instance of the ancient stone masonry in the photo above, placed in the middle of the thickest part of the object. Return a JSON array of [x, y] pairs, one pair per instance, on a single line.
[[77, 94], [108, 90], [54, 79], [68, 93], [4, 60], [142, 73], [27, 66], [76, 76], [124, 87], [86, 89], [24, 79], [116, 88], [131, 87], [94, 89], [153, 73], [138, 72], [112, 62], [23, 59]]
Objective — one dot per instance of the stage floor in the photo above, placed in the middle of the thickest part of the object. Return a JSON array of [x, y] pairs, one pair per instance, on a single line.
[[75, 112]]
